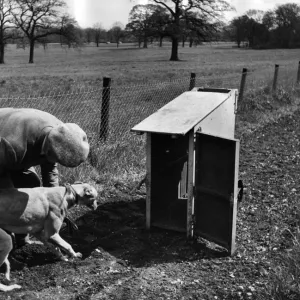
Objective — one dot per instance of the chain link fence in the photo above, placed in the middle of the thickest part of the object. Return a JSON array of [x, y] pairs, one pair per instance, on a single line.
[[121, 151]]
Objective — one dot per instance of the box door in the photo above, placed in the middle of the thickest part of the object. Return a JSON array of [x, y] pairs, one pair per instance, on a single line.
[[216, 177]]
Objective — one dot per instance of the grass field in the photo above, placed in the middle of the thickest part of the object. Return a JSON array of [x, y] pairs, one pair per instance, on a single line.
[[63, 68], [68, 83]]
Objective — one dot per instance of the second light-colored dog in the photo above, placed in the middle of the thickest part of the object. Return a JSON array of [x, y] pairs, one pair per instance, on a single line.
[[40, 212]]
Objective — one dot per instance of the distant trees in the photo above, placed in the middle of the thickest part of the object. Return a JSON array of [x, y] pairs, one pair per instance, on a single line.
[[6, 26], [117, 32], [98, 33], [245, 28], [274, 28], [203, 14], [186, 21], [146, 21], [286, 33], [38, 19], [178, 19], [70, 33]]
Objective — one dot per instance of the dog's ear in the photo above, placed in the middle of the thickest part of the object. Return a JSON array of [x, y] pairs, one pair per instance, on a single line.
[[68, 189]]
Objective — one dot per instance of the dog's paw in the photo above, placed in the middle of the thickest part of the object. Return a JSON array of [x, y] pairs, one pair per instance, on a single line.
[[30, 242], [7, 288], [78, 255]]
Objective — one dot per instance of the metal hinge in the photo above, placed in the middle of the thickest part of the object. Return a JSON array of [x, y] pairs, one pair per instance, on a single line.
[[198, 130]]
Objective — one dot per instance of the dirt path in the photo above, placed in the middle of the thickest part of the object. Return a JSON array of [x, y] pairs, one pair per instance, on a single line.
[[123, 261]]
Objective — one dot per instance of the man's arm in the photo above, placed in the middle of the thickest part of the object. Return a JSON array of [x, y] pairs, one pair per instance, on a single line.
[[49, 174]]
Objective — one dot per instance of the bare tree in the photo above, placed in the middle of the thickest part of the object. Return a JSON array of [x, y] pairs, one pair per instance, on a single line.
[[89, 34], [98, 33], [207, 11], [70, 33], [38, 19], [117, 32], [6, 26]]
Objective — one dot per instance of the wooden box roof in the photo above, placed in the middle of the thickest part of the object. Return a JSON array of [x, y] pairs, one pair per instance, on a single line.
[[183, 113]]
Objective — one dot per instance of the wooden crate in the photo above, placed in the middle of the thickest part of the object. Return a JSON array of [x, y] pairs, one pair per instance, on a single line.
[[192, 165]]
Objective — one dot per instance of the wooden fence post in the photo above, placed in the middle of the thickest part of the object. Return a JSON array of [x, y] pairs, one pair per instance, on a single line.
[[298, 74], [192, 81], [243, 83], [274, 86], [105, 108]]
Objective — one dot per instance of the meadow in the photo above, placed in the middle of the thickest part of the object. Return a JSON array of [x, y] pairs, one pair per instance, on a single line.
[[68, 83], [64, 69], [123, 261]]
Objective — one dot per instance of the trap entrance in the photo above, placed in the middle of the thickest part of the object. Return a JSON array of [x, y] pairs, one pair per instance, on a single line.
[[192, 165]]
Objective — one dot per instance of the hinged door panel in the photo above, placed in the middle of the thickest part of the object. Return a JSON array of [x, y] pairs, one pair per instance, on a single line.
[[216, 177]]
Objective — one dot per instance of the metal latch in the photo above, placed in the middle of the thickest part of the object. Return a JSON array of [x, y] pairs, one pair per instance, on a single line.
[[235, 101]]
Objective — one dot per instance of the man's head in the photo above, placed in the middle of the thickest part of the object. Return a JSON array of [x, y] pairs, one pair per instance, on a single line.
[[67, 145]]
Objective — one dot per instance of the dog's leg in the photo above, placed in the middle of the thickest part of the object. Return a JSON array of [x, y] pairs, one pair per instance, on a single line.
[[47, 241], [51, 234], [7, 273], [5, 247], [56, 238], [6, 288]]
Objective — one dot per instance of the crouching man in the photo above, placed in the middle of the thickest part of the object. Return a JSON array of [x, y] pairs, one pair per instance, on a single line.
[[31, 137]]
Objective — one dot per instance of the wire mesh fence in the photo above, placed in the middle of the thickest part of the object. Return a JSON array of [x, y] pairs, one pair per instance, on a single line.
[[127, 106]]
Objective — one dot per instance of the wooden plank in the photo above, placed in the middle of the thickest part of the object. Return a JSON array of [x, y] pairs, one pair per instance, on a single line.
[[183, 113], [182, 185], [216, 189], [221, 122], [235, 194], [190, 201], [148, 180]]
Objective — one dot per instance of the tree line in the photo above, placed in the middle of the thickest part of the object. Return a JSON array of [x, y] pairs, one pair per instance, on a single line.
[[28, 22], [32, 22], [197, 21], [278, 28]]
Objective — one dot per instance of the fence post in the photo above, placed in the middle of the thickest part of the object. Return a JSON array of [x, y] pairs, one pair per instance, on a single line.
[[298, 74], [192, 81], [274, 86], [243, 83], [105, 108]]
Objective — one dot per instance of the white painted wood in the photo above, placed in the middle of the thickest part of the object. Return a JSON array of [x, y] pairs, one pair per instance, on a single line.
[[191, 183], [221, 122], [183, 113]]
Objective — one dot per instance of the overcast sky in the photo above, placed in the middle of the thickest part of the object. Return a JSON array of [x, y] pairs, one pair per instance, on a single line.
[[106, 12]]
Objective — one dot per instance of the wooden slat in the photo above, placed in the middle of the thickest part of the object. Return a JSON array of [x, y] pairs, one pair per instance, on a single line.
[[191, 181], [235, 193], [183, 113], [148, 181]]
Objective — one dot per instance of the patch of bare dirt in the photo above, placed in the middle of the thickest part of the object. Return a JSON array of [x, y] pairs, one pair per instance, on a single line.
[[124, 261]]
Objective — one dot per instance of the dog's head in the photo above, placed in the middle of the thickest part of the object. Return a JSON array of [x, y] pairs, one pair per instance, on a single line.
[[86, 195]]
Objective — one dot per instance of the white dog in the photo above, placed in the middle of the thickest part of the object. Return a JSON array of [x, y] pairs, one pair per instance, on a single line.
[[40, 212]]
